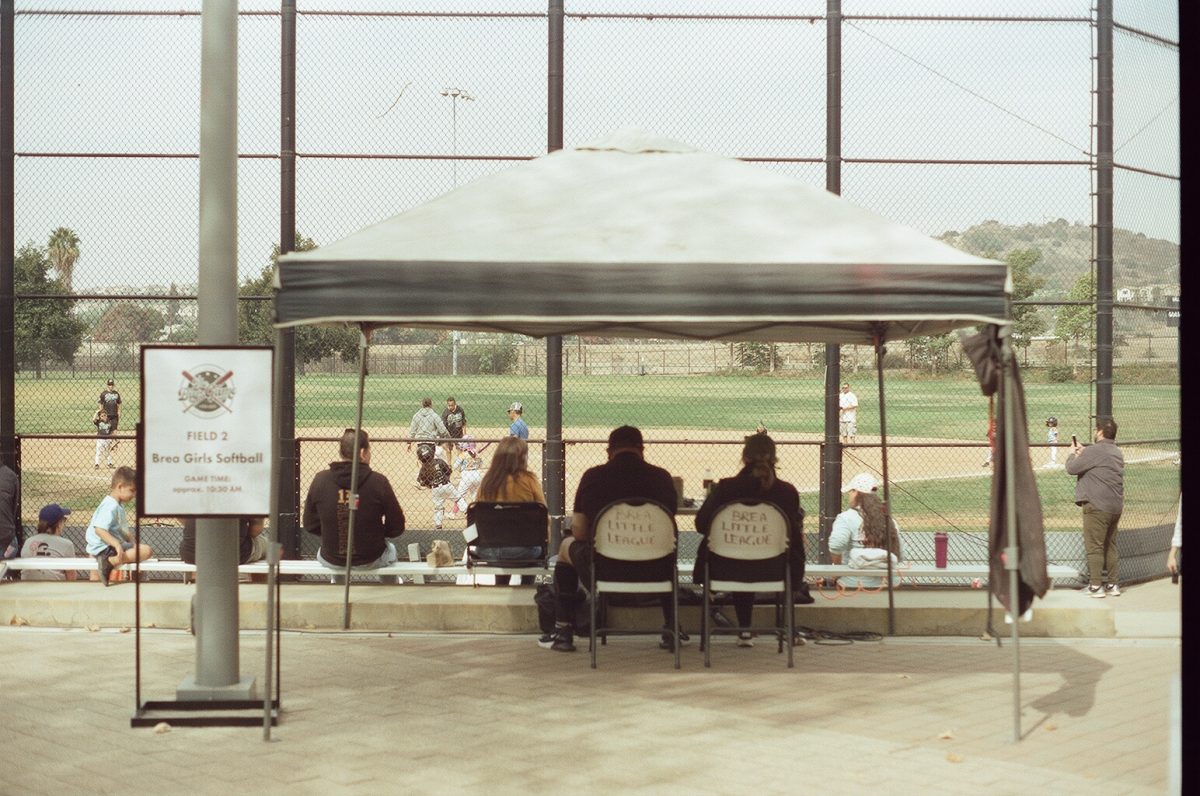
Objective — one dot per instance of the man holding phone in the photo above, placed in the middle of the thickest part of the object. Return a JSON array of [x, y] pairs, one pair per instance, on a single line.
[[1100, 490]]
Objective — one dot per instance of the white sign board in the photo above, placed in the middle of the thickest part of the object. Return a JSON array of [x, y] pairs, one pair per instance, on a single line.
[[207, 417]]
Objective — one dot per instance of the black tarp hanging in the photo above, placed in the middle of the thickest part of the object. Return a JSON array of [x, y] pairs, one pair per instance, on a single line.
[[985, 352]]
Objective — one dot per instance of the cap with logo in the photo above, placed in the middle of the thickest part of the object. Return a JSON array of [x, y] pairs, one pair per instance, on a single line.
[[515, 406]]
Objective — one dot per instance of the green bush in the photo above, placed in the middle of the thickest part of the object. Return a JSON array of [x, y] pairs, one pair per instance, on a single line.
[[1060, 374]]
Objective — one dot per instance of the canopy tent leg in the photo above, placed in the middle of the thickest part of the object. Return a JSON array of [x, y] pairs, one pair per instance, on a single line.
[[880, 350], [1012, 559], [364, 342]]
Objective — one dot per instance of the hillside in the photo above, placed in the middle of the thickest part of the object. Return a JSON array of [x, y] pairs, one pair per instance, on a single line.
[[1066, 250]]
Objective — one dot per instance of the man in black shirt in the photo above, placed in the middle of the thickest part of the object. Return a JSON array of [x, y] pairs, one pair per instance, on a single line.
[[626, 476], [455, 419], [110, 402]]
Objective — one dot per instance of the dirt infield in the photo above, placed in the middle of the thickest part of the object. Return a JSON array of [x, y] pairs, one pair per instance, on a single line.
[[61, 470]]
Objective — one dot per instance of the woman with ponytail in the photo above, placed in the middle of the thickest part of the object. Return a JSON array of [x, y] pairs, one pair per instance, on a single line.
[[860, 537], [756, 481]]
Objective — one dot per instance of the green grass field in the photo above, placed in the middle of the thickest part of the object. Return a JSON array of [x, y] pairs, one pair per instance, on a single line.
[[950, 408], [947, 409]]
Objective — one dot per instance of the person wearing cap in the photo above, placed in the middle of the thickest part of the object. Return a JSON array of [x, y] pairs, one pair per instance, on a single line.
[[426, 424], [49, 542], [110, 402], [454, 417], [470, 474], [626, 476], [1052, 439], [848, 414], [859, 535], [517, 426]]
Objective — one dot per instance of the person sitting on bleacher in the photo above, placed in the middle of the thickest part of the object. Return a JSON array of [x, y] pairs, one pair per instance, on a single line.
[[859, 535], [377, 521], [49, 542], [252, 545], [510, 480]]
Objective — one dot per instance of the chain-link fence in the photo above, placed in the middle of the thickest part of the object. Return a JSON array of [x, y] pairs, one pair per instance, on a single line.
[[976, 129]]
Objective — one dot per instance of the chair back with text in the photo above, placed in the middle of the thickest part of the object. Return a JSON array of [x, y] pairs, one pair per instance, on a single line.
[[748, 547], [634, 546], [748, 552]]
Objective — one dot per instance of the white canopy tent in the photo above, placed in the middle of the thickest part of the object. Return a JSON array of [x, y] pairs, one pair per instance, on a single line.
[[641, 236], [645, 237]]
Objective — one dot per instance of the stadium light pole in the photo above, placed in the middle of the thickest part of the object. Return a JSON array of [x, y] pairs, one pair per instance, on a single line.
[[455, 94]]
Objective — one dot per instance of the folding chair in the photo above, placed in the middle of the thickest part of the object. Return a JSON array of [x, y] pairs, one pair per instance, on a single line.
[[748, 552], [634, 553], [504, 524]]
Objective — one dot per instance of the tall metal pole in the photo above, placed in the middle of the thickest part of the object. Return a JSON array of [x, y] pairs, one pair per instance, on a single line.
[[1012, 549], [880, 351], [831, 456], [288, 531], [1104, 208], [553, 464], [363, 343], [455, 94], [8, 307], [217, 539]]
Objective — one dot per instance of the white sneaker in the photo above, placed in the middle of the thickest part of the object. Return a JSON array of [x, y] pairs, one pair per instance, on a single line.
[[745, 640], [1096, 591], [1112, 590]]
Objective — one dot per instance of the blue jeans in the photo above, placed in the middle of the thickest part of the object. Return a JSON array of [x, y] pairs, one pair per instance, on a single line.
[[508, 553]]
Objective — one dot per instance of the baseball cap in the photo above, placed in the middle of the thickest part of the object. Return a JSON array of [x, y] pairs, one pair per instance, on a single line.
[[110, 381], [52, 513], [625, 437], [515, 406], [863, 482]]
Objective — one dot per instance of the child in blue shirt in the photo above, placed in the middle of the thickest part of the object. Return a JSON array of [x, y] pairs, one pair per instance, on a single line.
[[1052, 439], [108, 537]]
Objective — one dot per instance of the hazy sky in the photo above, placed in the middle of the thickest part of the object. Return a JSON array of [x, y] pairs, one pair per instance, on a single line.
[[370, 86]]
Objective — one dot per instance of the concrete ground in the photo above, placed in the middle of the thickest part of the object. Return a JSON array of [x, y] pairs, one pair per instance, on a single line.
[[453, 712]]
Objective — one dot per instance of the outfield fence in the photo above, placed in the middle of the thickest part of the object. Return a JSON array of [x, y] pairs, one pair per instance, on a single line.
[[979, 129], [933, 488]]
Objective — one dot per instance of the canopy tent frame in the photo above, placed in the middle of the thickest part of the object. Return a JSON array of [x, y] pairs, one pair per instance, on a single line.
[[605, 275]]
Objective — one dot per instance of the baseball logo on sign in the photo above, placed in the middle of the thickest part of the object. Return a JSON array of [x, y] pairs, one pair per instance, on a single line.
[[207, 391]]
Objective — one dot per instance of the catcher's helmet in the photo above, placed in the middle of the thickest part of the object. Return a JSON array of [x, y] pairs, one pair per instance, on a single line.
[[425, 451], [1052, 421]]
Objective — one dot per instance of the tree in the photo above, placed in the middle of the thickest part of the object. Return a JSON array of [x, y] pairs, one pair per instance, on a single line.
[[1075, 320], [759, 356], [126, 321], [930, 350], [312, 342], [46, 329], [63, 250], [1027, 322]]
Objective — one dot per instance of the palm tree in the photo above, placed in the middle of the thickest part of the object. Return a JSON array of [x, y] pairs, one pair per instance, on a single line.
[[63, 250]]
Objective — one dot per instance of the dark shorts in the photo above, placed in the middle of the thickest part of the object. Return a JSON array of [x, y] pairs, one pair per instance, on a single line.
[[113, 421]]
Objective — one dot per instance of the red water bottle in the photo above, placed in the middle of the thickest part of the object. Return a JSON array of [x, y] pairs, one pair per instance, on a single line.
[[940, 543]]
